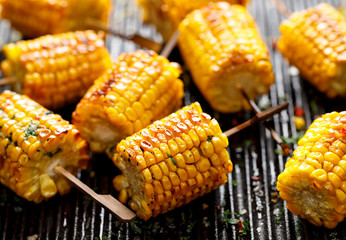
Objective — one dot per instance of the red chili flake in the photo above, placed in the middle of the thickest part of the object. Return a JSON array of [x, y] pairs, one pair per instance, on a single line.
[[298, 111], [274, 43], [240, 226], [255, 178], [218, 207], [315, 185], [343, 130]]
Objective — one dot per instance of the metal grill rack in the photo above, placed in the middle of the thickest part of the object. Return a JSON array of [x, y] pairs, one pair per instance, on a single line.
[[250, 194]]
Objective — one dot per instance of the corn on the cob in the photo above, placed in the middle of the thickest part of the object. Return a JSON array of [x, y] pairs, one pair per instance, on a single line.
[[33, 141], [56, 70], [314, 41], [223, 48], [141, 87], [171, 162], [167, 14], [34, 18], [314, 180]]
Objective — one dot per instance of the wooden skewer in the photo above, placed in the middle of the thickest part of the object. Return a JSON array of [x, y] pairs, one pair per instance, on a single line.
[[8, 81], [107, 201], [281, 7], [141, 41], [170, 44], [259, 117], [285, 148]]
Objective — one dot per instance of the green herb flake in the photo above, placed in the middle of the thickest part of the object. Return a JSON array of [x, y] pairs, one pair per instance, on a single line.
[[278, 151], [31, 130], [170, 157], [210, 137], [191, 226], [292, 140], [135, 228], [50, 154], [234, 183]]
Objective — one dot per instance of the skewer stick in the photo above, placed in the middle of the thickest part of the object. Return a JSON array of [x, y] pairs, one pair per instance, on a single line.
[[170, 44], [259, 117], [281, 7], [141, 41], [8, 81], [285, 148], [107, 201]]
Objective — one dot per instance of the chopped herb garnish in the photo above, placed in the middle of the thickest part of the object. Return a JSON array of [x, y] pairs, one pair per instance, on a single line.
[[279, 217], [292, 140], [50, 154], [31, 130], [234, 183], [209, 138], [191, 226], [48, 112], [135, 228], [170, 157]]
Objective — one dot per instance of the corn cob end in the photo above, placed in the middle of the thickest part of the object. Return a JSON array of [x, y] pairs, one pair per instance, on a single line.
[[33, 141], [171, 162], [314, 180]]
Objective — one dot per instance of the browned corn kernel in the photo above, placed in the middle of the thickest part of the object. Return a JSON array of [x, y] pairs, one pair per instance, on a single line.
[[140, 88], [314, 41], [56, 70], [33, 141], [222, 48], [314, 180], [177, 177], [37, 18], [167, 14]]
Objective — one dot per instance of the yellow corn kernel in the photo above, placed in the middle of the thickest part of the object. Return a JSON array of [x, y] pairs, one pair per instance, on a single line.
[[28, 162], [218, 37], [320, 198], [332, 157], [176, 179], [334, 179], [147, 175], [134, 105], [319, 49], [320, 175]]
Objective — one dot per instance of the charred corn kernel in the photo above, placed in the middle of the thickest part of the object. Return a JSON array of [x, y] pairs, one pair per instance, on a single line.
[[26, 163], [317, 36], [36, 18], [183, 174], [166, 14], [56, 91], [313, 182], [222, 54], [112, 108]]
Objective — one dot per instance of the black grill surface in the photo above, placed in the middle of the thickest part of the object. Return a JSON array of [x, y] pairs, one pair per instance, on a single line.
[[250, 194]]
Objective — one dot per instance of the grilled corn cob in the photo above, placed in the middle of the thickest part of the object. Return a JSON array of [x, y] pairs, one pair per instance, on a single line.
[[314, 180], [34, 18], [171, 162], [167, 14], [141, 87], [33, 141], [56, 70], [223, 48], [314, 41]]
